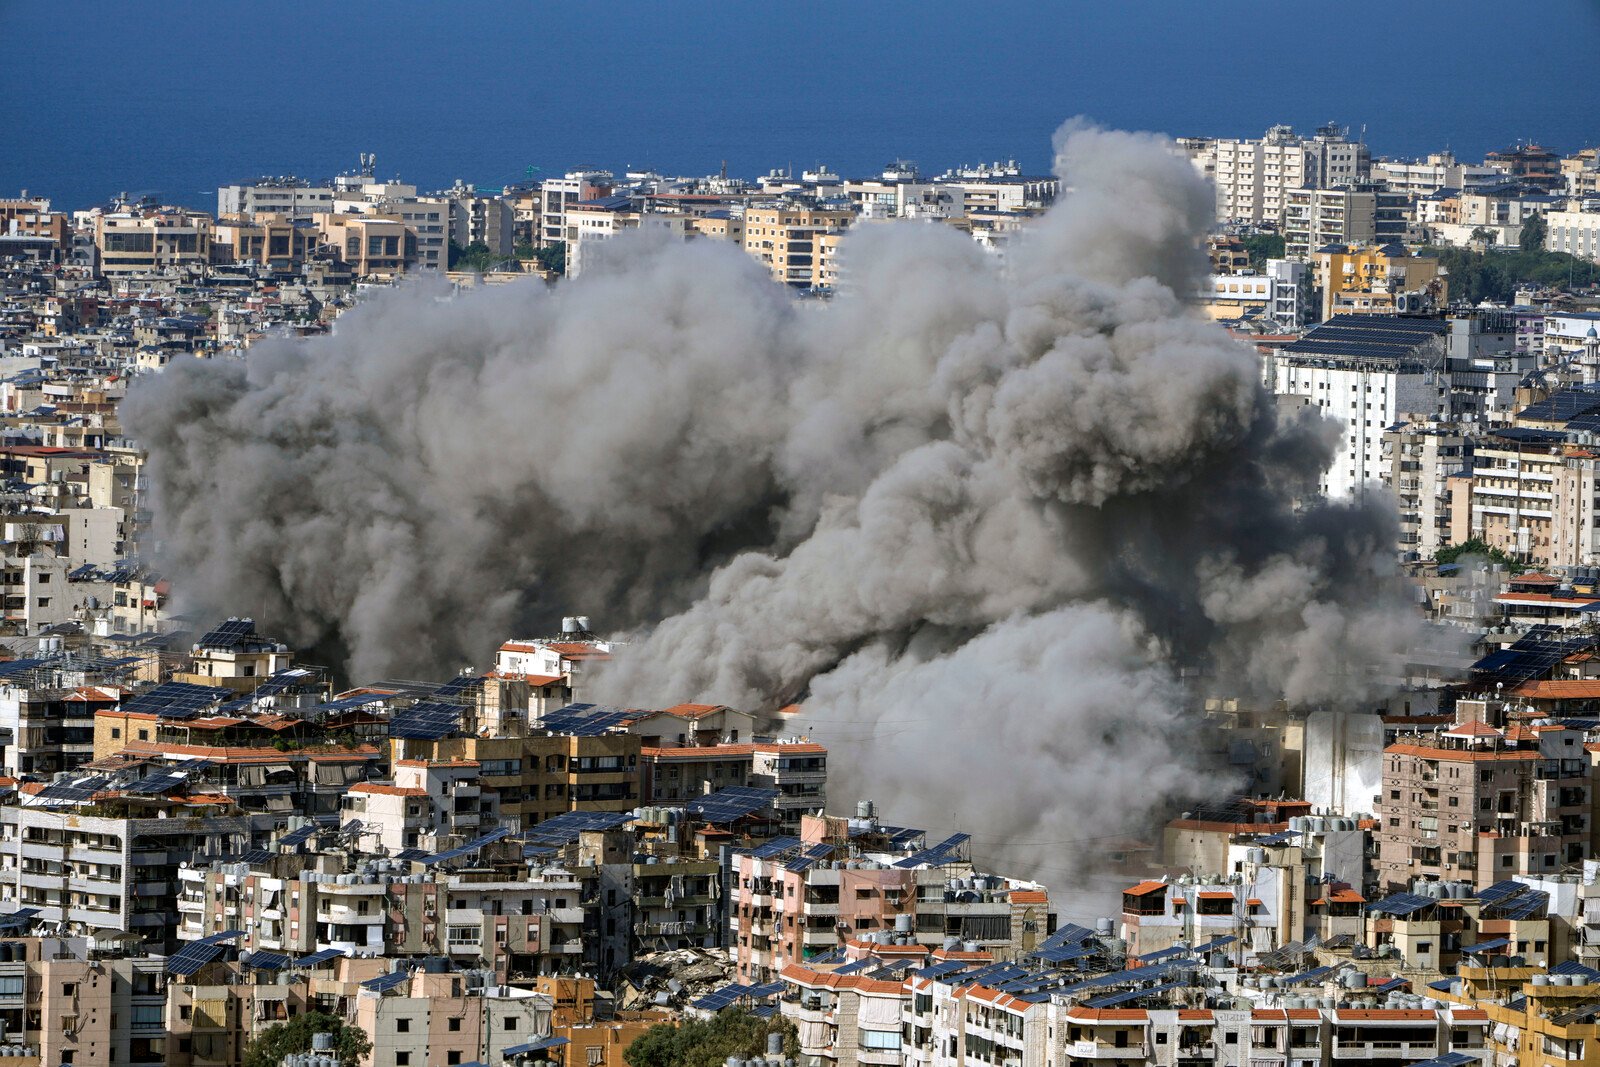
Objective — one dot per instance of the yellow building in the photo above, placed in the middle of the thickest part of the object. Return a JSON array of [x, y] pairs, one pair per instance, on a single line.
[[373, 246], [146, 242], [270, 240], [786, 238], [1378, 280], [540, 777], [1535, 1022]]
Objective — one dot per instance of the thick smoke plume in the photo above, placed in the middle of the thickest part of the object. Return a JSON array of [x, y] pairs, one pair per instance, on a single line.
[[999, 524]]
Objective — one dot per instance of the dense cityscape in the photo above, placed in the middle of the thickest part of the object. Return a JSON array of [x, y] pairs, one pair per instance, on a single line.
[[1334, 776]]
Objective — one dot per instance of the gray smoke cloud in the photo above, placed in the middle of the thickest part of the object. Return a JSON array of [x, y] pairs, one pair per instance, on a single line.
[[990, 519]]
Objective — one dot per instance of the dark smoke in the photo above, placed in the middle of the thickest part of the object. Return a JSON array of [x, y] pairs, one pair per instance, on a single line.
[[991, 518]]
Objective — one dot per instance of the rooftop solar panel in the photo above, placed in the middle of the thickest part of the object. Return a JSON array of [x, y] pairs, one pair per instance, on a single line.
[[1316, 974], [386, 982], [177, 700], [584, 720], [721, 998], [193, 956], [564, 829], [468, 848], [267, 961], [946, 851], [942, 969], [316, 959], [458, 687], [538, 1045], [776, 847], [300, 835], [19, 919], [1501, 890], [1130, 994], [1400, 904], [426, 720], [809, 858], [732, 804]]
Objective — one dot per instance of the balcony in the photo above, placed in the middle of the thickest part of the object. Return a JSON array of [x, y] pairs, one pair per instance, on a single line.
[[1095, 1050]]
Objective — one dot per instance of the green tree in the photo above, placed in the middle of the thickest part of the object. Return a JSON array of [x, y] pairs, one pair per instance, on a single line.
[[1494, 274], [268, 1048], [553, 257], [1533, 233], [1262, 247], [1484, 235], [707, 1044], [1477, 546], [475, 256]]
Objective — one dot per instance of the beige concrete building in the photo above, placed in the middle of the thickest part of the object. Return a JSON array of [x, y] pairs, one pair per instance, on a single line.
[[1488, 799], [374, 246], [1425, 462], [148, 242], [785, 239]]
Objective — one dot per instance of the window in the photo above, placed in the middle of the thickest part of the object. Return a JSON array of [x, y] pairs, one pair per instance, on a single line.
[[597, 1055], [69, 989], [402, 1026], [880, 1039], [402, 1059], [511, 1024], [1231, 1037], [453, 1056], [455, 1025], [116, 732], [1424, 948]]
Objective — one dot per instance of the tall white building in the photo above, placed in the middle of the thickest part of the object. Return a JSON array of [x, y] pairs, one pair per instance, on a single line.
[[1365, 373], [1575, 230], [288, 196], [1253, 177]]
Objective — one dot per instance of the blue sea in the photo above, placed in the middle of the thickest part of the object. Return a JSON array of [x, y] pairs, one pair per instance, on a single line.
[[173, 99]]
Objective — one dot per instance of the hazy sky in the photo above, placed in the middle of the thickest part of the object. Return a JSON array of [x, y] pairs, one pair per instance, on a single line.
[[173, 98]]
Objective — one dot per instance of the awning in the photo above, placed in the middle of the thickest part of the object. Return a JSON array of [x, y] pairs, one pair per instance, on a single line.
[[535, 1046]]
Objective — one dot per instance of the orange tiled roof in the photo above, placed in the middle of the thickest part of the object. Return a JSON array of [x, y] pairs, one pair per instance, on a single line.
[[1453, 755], [1144, 889], [388, 790], [1029, 896], [1342, 895], [1568, 689]]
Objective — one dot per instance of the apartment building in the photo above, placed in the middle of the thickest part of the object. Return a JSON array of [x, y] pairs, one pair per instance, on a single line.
[[1487, 799], [1254, 178], [89, 869], [797, 770], [1349, 214], [446, 1018], [1365, 372], [1574, 229], [787, 905], [784, 239], [1377, 280], [522, 922], [429, 805], [277, 242], [1282, 295], [1513, 492], [1429, 462], [32, 217], [539, 777], [480, 218], [285, 196], [152, 241], [1431, 174], [558, 194], [374, 246]]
